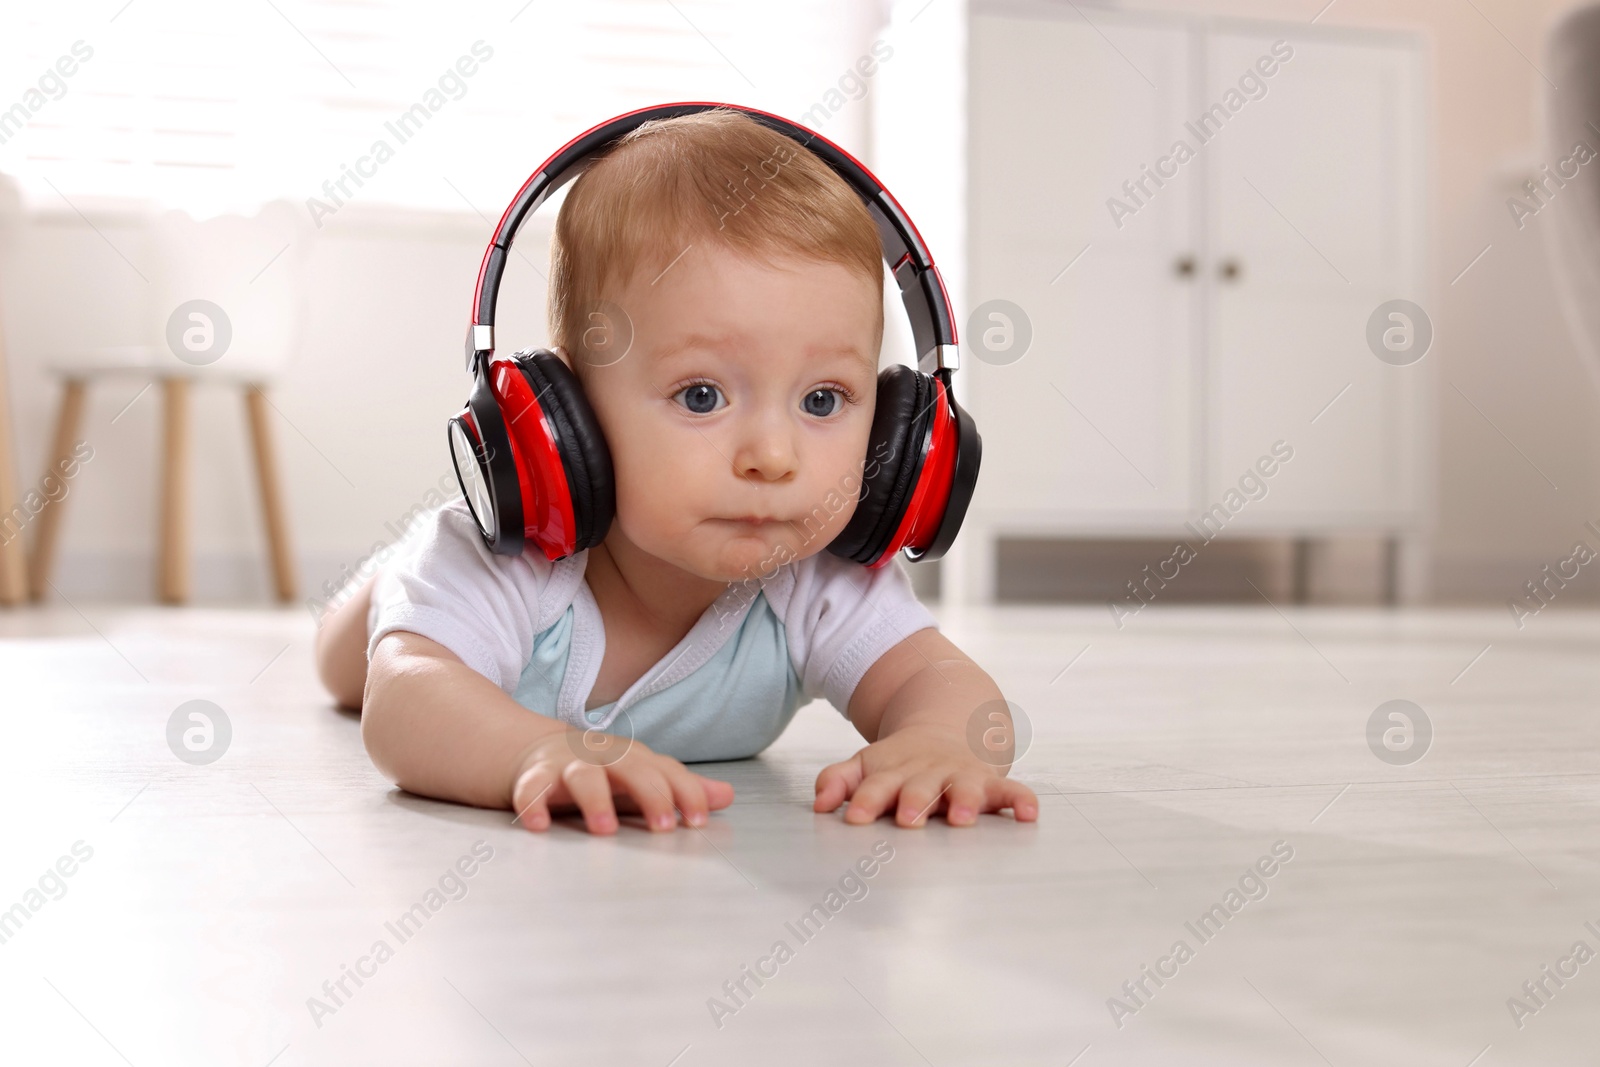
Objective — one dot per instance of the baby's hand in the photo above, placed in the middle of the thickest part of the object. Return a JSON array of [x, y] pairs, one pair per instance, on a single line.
[[927, 767], [583, 770]]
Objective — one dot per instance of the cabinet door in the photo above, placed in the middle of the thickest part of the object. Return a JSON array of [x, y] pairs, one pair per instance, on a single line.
[[1093, 426], [1313, 194]]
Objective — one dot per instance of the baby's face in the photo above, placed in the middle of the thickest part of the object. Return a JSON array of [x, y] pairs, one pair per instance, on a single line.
[[738, 421]]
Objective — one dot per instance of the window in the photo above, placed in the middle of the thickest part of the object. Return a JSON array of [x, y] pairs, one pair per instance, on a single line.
[[217, 107]]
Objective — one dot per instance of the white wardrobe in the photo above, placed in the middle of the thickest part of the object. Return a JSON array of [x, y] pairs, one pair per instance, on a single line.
[[1188, 310]]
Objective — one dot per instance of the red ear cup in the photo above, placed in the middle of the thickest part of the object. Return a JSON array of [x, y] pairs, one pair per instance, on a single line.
[[543, 471], [963, 449], [921, 467], [580, 444]]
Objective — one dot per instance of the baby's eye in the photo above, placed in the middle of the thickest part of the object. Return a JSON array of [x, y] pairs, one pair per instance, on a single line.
[[700, 398], [822, 402]]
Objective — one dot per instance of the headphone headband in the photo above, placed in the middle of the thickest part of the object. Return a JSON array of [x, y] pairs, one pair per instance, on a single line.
[[921, 287]]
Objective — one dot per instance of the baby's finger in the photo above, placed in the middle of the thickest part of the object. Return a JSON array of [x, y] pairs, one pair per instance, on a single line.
[[1009, 793], [591, 791], [969, 794], [919, 797], [648, 788], [873, 796], [837, 783], [530, 796], [689, 795], [719, 794]]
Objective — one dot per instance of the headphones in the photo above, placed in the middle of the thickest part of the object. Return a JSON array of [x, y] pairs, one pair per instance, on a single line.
[[533, 464]]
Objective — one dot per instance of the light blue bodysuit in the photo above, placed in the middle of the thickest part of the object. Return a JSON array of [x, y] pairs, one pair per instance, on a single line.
[[729, 705], [804, 629]]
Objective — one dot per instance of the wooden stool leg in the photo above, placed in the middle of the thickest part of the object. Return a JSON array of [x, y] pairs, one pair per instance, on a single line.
[[271, 498], [13, 559], [44, 545], [174, 535]]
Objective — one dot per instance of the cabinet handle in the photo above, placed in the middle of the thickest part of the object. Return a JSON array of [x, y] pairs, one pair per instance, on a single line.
[[1229, 270], [1184, 267]]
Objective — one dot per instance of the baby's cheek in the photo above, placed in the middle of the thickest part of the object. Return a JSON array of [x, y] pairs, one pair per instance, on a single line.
[[663, 487], [651, 513], [839, 496]]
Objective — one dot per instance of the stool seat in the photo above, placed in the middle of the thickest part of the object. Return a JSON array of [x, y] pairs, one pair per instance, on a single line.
[[77, 370], [149, 361]]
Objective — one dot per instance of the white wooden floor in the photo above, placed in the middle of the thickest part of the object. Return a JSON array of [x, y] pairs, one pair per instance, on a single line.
[[217, 899]]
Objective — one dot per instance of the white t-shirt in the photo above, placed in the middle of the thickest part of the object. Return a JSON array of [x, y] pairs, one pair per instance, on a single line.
[[836, 618]]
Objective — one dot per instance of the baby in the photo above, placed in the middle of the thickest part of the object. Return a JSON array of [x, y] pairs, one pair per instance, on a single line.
[[709, 613]]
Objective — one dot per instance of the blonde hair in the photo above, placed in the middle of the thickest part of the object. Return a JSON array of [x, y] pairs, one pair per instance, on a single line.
[[712, 175]]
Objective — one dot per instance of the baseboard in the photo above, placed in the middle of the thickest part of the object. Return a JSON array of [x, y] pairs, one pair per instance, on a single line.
[[215, 578], [243, 579], [1462, 579]]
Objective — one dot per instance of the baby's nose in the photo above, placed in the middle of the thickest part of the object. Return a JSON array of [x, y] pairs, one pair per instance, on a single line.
[[767, 452]]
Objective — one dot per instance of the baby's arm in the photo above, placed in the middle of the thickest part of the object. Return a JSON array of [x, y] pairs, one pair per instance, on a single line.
[[914, 705], [436, 727]]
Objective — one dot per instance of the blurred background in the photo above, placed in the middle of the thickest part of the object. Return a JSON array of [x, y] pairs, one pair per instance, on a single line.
[[1274, 299]]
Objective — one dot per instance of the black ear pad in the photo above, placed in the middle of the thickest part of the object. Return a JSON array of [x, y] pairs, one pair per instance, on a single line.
[[901, 425], [584, 455]]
